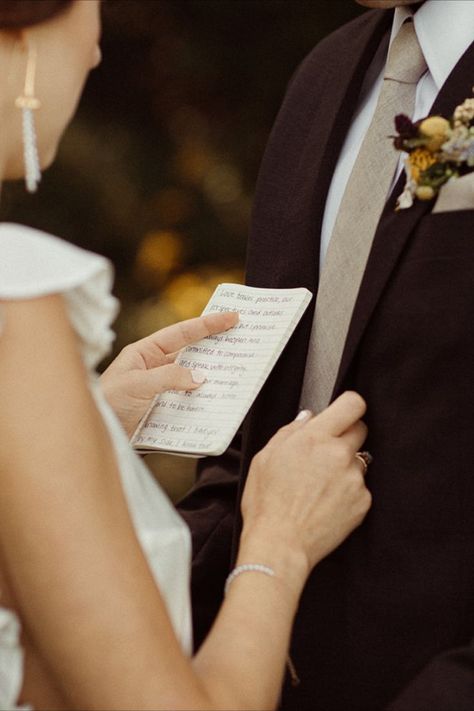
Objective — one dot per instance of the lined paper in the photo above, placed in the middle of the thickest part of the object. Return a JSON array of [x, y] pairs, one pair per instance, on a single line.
[[235, 363]]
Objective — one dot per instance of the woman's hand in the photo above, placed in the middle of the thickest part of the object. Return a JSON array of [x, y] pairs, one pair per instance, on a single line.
[[305, 492], [146, 368]]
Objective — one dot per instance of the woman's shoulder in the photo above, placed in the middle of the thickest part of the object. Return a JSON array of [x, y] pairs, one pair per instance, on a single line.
[[34, 263]]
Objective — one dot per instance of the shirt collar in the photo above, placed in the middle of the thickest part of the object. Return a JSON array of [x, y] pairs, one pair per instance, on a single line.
[[445, 29]]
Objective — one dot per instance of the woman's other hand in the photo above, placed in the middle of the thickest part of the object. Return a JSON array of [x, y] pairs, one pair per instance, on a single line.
[[305, 492], [146, 368]]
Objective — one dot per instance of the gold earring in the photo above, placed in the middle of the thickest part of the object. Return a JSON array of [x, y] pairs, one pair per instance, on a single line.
[[28, 103]]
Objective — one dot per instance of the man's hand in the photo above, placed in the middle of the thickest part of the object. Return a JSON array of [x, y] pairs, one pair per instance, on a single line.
[[146, 368]]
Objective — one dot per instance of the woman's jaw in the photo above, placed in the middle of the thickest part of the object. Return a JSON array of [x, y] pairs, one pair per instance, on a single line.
[[64, 50]]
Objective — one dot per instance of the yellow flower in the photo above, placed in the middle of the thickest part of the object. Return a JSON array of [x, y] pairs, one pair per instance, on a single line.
[[436, 128], [419, 160], [424, 192]]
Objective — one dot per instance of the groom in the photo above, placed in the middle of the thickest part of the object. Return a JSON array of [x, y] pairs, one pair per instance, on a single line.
[[387, 621]]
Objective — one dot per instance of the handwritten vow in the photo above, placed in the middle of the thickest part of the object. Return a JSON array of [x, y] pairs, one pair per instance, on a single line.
[[236, 364]]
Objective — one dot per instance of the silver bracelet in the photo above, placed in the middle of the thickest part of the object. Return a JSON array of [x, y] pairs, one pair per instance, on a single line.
[[248, 568]]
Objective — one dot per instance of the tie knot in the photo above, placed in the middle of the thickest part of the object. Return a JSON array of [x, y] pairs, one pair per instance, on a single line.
[[405, 62]]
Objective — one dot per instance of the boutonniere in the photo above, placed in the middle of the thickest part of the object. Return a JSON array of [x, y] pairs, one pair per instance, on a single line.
[[438, 150]]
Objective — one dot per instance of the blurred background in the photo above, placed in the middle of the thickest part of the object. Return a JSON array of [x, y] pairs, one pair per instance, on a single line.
[[157, 170]]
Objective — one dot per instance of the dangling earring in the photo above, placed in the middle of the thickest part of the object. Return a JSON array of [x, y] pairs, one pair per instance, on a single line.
[[28, 103]]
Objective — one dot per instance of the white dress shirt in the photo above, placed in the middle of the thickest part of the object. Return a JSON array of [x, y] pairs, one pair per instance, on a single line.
[[445, 29]]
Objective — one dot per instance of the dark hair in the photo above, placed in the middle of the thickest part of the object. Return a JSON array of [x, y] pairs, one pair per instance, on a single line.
[[22, 13]]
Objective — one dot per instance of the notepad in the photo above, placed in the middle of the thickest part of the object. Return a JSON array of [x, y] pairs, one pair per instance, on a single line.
[[235, 363]]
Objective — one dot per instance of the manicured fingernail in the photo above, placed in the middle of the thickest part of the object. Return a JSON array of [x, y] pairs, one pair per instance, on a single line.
[[236, 320], [198, 378], [303, 415]]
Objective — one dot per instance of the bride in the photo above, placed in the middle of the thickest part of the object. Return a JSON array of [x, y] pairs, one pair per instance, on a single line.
[[94, 560]]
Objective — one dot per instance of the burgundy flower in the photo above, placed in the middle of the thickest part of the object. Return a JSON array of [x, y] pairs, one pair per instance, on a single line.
[[405, 127]]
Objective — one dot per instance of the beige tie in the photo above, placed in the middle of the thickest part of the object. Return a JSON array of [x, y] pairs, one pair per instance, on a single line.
[[356, 222]]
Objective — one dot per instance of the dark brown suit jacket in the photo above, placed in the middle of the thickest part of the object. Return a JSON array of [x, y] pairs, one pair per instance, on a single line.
[[388, 619]]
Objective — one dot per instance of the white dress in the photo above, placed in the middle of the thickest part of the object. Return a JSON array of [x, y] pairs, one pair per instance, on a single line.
[[33, 264]]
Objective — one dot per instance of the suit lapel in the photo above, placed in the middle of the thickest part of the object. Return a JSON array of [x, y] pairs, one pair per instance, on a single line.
[[284, 253], [284, 240], [333, 112], [395, 228]]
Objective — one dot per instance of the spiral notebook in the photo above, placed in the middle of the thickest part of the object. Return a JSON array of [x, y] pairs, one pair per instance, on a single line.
[[235, 363]]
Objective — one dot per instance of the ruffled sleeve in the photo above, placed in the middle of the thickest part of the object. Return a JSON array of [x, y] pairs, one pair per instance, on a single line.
[[34, 264], [11, 661]]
